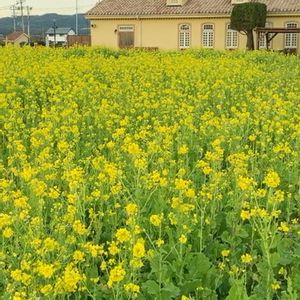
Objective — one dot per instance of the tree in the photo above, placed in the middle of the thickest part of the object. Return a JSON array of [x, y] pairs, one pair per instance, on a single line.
[[247, 16]]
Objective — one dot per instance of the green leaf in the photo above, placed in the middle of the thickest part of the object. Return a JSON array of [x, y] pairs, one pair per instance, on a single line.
[[241, 232], [197, 265], [275, 258], [172, 289], [151, 287], [190, 286], [296, 280], [237, 291]]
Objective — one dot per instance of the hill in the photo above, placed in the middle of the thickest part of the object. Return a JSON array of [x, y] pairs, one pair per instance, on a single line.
[[40, 24]]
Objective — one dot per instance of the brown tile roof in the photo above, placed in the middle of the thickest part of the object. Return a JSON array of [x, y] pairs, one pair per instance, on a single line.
[[15, 35], [191, 7]]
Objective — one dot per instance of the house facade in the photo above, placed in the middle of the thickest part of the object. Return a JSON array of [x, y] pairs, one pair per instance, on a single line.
[[58, 36], [17, 38], [182, 24]]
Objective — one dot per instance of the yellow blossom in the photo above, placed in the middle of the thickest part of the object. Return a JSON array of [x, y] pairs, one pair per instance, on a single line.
[[275, 285], [272, 179], [78, 256], [225, 252], [139, 248], [159, 242], [183, 149], [284, 227], [123, 235], [131, 209], [245, 215], [132, 288], [46, 270], [7, 232], [156, 219], [117, 274], [183, 239], [246, 258]]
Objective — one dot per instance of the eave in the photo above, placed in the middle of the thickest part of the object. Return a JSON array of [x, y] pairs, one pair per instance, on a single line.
[[181, 16], [144, 17]]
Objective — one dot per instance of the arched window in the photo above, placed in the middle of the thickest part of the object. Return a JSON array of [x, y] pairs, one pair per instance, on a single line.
[[290, 39], [231, 38], [184, 36], [262, 37], [208, 36]]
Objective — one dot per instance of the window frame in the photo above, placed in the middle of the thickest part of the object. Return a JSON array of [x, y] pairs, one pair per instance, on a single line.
[[291, 35], [232, 32], [207, 31], [263, 38], [187, 34], [122, 28]]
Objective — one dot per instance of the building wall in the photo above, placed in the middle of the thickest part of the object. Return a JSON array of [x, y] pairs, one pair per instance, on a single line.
[[23, 39], [59, 38], [163, 33]]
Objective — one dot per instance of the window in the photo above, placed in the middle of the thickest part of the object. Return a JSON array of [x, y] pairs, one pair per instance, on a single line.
[[126, 36], [208, 36], [184, 36], [231, 38], [263, 38], [290, 40]]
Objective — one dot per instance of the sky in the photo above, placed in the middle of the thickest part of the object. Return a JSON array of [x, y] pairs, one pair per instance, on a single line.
[[40, 7]]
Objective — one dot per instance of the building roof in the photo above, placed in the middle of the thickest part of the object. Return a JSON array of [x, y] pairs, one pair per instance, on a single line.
[[59, 30], [15, 35], [191, 7]]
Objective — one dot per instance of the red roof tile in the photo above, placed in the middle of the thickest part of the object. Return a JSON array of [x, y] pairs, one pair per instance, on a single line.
[[191, 7]]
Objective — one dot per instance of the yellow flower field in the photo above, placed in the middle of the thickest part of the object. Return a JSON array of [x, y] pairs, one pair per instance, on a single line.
[[133, 175]]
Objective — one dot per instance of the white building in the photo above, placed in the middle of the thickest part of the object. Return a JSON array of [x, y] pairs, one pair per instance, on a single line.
[[61, 36]]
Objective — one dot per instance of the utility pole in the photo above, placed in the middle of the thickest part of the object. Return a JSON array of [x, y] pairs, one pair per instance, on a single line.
[[13, 9], [28, 20], [21, 8], [54, 31], [76, 17]]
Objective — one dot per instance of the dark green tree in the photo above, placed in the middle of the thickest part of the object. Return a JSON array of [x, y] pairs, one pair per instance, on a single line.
[[247, 16]]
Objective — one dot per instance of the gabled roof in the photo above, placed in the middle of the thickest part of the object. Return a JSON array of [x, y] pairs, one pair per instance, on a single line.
[[191, 7], [59, 30], [15, 35]]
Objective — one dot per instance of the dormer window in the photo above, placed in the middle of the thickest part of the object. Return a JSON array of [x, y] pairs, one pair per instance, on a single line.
[[239, 1], [175, 2]]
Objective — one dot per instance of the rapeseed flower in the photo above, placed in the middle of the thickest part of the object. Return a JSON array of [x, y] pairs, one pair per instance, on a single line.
[[272, 179]]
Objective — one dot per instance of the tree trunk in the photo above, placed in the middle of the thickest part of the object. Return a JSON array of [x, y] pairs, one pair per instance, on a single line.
[[250, 40]]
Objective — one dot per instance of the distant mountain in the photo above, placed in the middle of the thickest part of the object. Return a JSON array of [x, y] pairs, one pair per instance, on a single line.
[[40, 24]]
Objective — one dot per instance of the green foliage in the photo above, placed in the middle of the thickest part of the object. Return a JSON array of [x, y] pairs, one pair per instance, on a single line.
[[95, 142], [237, 291], [247, 16]]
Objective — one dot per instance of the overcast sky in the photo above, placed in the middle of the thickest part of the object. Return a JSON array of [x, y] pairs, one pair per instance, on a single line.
[[40, 7]]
